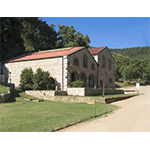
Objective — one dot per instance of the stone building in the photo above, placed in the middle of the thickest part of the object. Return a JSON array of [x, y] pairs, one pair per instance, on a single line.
[[95, 66], [106, 66]]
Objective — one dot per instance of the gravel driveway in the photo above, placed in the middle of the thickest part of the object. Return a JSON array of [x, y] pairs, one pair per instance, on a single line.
[[133, 116]]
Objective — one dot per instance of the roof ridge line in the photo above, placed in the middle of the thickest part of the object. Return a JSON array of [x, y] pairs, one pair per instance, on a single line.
[[54, 50]]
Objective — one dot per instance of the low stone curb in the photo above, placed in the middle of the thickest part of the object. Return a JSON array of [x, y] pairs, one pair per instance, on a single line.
[[63, 127]]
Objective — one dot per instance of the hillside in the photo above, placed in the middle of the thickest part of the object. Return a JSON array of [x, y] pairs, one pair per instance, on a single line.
[[132, 63]]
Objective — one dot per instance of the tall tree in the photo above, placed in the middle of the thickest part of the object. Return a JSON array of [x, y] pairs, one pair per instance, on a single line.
[[30, 33], [11, 42], [67, 37], [37, 34]]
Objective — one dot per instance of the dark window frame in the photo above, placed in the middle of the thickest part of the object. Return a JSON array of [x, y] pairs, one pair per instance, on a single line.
[[85, 61], [76, 62]]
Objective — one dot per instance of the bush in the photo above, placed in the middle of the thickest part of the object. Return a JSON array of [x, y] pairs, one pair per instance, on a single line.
[[26, 79], [77, 83], [39, 81], [42, 80]]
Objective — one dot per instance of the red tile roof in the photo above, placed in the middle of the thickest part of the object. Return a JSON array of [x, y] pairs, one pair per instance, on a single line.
[[44, 54], [96, 50]]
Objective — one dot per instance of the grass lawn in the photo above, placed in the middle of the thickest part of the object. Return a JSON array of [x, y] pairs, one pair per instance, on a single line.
[[28, 116], [3, 89]]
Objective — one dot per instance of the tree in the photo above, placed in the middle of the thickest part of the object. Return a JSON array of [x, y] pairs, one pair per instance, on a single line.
[[37, 34], [26, 79], [146, 74], [67, 37], [11, 41]]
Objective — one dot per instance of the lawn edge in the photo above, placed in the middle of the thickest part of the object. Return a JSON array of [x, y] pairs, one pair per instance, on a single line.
[[86, 119]]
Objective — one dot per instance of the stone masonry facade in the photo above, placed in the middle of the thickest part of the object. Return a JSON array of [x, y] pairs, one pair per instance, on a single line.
[[78, 70], [104, 73], [53, 65], [64, 70]]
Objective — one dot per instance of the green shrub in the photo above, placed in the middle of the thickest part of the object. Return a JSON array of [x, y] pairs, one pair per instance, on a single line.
[[77, 83], [39, 81], [42, 80], [26, 79]]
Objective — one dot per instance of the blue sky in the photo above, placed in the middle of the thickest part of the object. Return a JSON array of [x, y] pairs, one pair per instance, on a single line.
[[114, 32]]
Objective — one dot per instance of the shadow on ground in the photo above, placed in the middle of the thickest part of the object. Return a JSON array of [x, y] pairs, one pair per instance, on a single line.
[[12, 98]]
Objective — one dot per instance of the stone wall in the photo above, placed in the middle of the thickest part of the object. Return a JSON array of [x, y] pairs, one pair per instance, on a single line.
[[53, 65], [76, 91], [92, 91], [45, 94], [105, 74]]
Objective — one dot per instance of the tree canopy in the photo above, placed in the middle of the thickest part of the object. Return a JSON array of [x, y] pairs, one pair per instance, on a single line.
[[21, 35], [11, 42], [132, 63]]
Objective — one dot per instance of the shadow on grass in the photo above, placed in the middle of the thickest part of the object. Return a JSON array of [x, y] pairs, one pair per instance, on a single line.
[[12, 98], [117, 86]]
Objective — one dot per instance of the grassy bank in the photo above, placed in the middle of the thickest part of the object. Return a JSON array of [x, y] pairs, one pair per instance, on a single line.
[[24, 116], [4, 87]]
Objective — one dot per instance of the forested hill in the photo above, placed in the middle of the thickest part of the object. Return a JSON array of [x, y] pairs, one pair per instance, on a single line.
[[132, 63], [134, 52]]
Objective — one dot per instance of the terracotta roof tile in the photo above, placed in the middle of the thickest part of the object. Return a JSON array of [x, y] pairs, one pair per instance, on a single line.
[[96, 50], [44, 54]]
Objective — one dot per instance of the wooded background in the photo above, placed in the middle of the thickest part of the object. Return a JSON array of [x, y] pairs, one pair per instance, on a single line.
[[19, 35]]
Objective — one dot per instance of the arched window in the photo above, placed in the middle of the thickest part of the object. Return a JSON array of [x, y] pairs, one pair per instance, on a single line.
[[85, 61], [103, 62], [76, 61], [93, 67], [110, 83], [109, 65]]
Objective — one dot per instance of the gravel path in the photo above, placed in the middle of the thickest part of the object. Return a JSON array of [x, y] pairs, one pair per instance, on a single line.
[[133, 116]]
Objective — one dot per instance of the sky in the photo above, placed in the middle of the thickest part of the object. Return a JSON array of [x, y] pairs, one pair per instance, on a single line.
[[113, 32]]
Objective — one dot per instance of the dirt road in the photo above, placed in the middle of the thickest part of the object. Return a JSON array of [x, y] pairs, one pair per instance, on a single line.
[[133, 116]]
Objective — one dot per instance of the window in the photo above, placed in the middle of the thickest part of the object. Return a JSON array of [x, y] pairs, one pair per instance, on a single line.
[[109, 66], [93, 67], [85, 61], [76, 61], [103, 62]]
